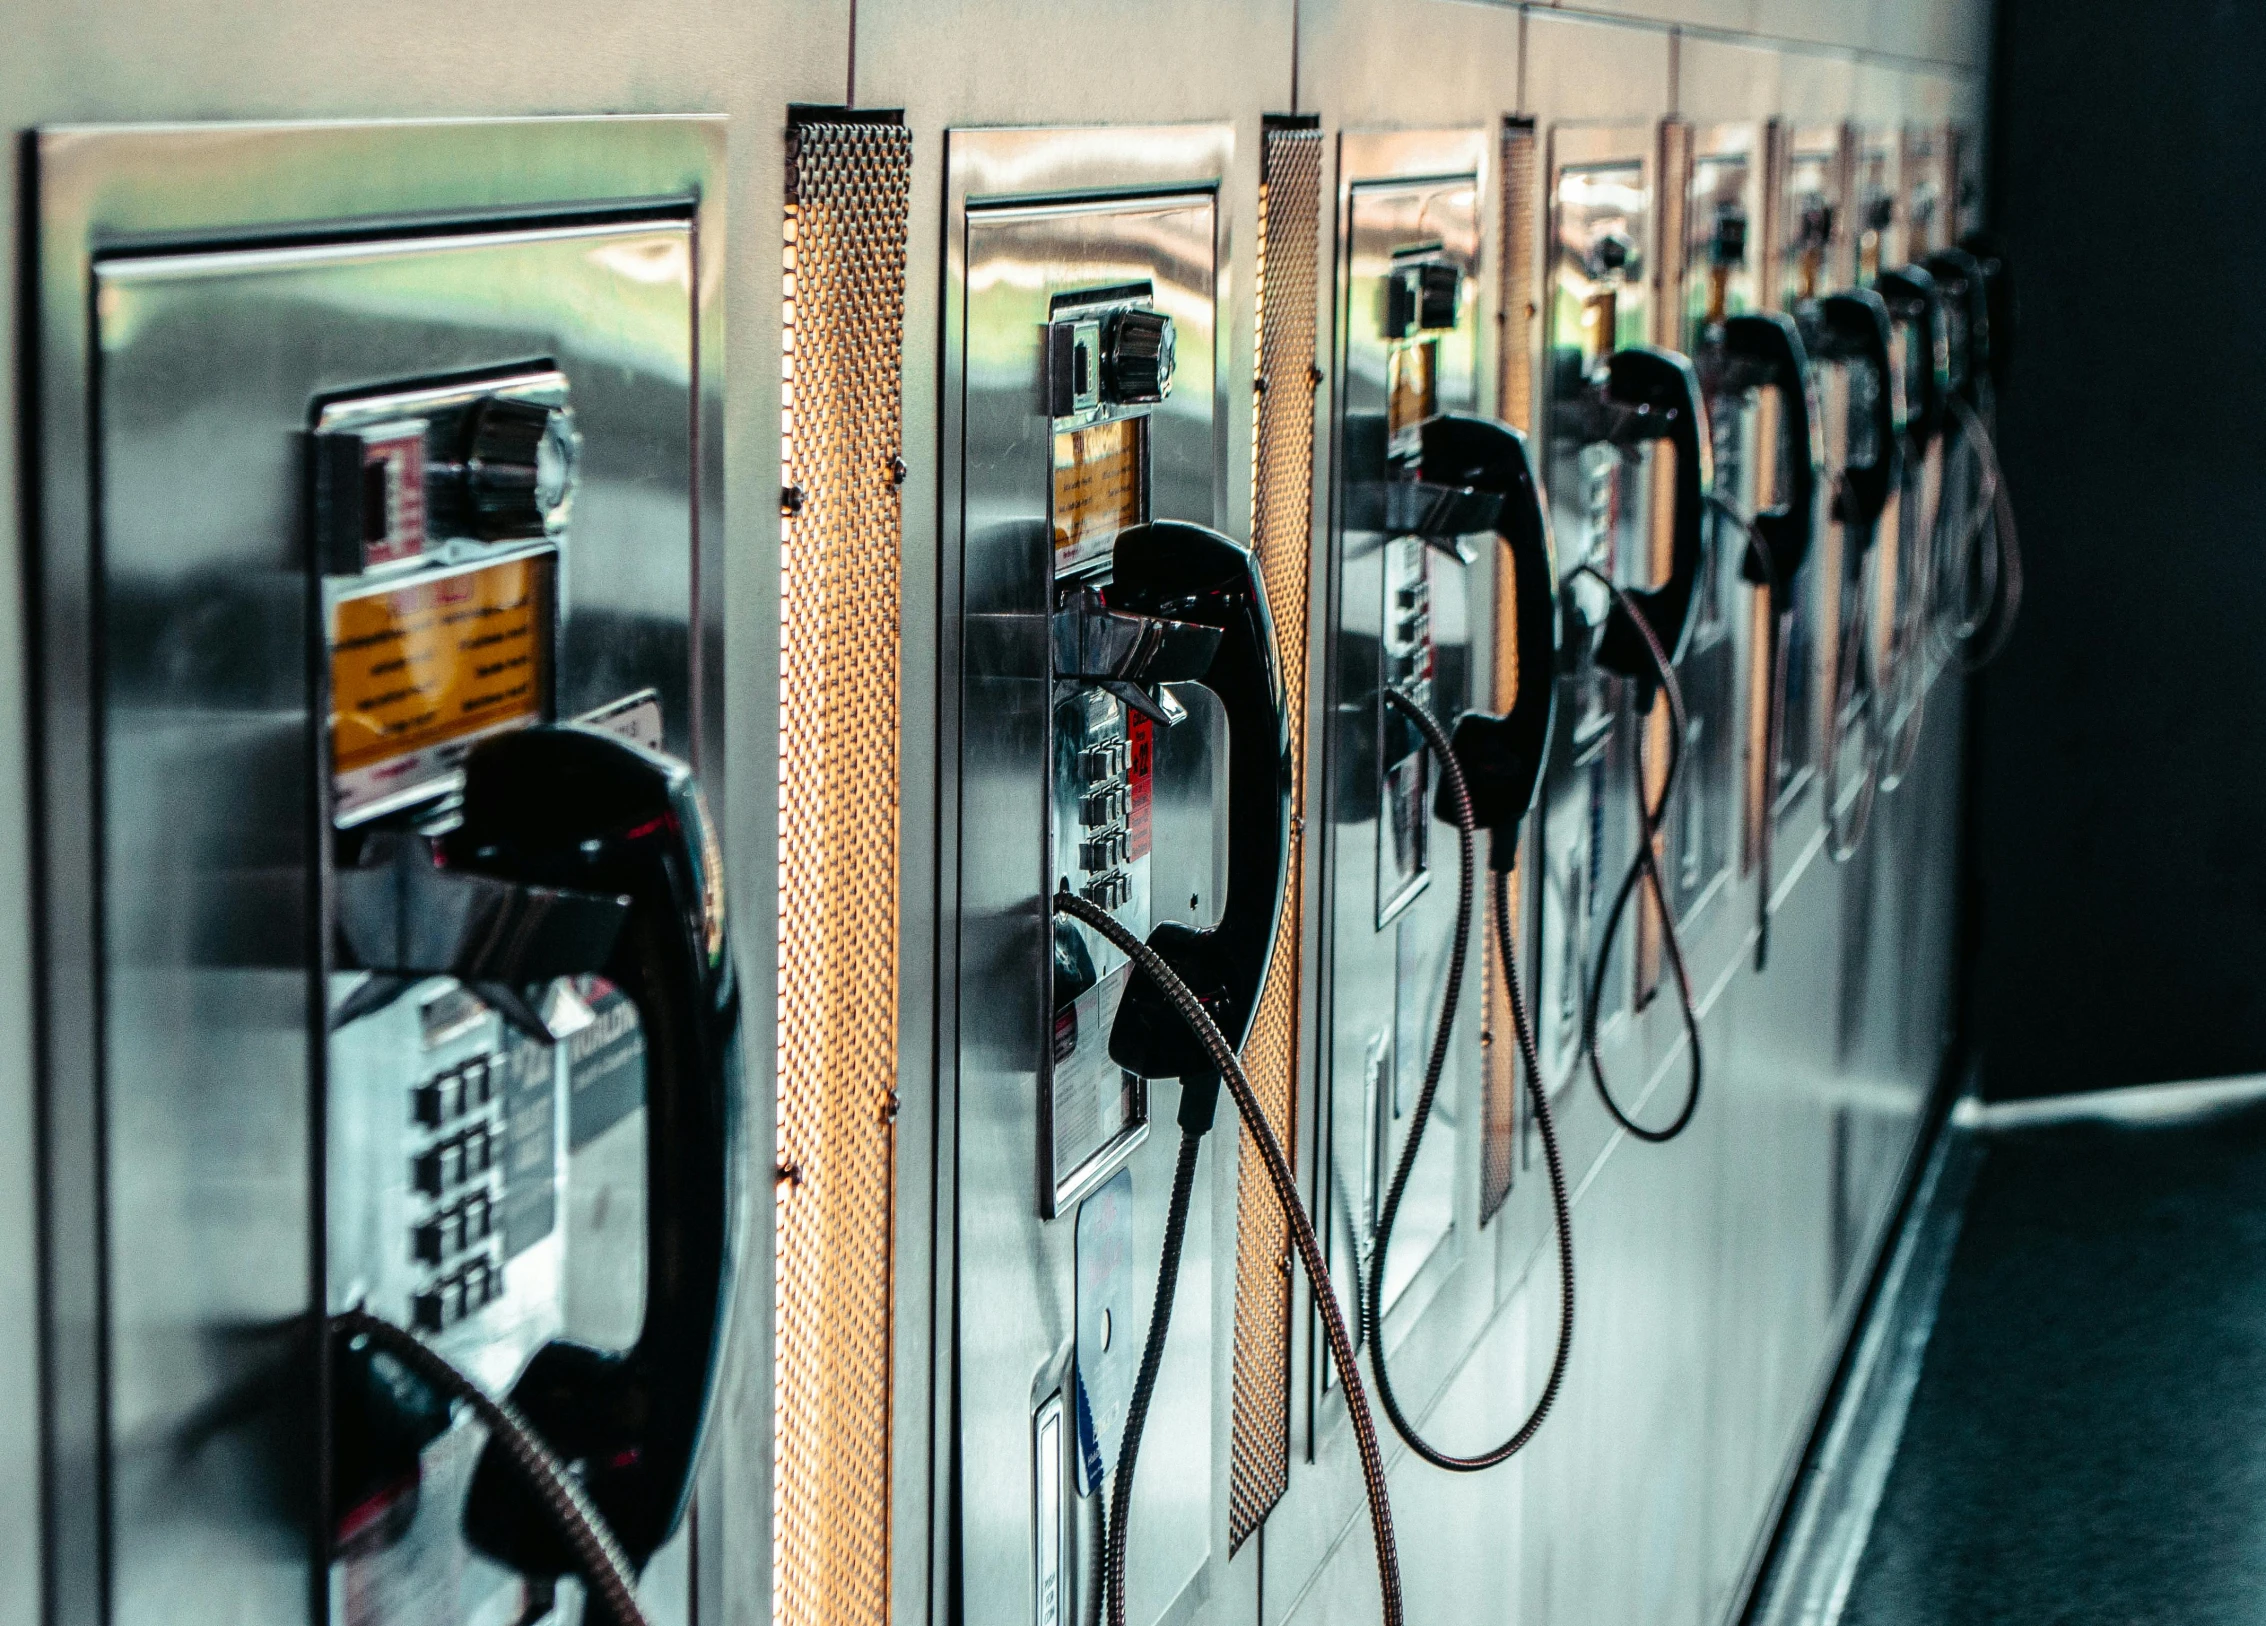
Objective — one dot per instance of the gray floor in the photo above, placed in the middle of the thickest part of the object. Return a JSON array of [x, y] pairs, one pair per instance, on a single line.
[[2087, 1442]]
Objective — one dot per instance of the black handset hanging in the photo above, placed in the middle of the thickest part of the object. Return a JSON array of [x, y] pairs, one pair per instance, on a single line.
[[1141, 604], [1764, 350], [577, 852], [1850, 330], [1481, 473], [1189, 576], [1649, 394], [1979, 588], [1502, 757], [1915, 306], [581, 810]]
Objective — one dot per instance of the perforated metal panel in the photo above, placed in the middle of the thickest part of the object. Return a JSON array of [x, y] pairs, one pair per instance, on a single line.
[[1519, 310], [1282, 506], [838, 801]]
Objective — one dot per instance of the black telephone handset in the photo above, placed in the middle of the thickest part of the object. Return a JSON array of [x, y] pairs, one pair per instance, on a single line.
[[1998, 301], [1914, 300], [1653, 394], [1959, 277], [586, 813], [1179, 572], [1765, 351], [1852, 328], [1502, 757]]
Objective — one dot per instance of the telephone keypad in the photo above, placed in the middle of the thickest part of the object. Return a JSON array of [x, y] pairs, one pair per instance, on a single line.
[[454, 1238]]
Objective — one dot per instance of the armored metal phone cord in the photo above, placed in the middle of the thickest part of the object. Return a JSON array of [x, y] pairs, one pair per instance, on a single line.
[[1909, 641], [1152, 1357], [1912, 657], [1774, 724], [1645, 866], [2001, 598], [1373, 1300], [1302, 1237], [1852, 687], [604, 1564]]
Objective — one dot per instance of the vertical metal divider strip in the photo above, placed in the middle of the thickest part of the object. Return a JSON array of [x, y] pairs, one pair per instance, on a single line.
[[64, 644], [1517, 315], [1761, 777], [1282, 487], [848, 199], [1672, 179], [1838, 255]]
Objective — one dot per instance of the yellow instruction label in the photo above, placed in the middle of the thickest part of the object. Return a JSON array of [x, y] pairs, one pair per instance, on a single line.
[[435, 661], [1098, 488]]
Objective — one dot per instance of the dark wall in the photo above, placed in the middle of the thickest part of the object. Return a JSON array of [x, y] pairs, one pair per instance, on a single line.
[[2119, 769]]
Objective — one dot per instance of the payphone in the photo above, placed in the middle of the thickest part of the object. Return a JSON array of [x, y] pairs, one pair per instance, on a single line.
[[422, 1024], [1848, 334], [1629, 470], [1716, 281], [1754, 371], [1117, 742], [1978, 561], [1472, 471], [1919, 364], [1812, 228], [1410, 587], [1437, 521]]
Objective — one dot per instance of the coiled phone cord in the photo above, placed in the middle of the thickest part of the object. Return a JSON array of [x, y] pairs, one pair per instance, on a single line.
[[1152, 1358], [1909, 676], [2001, 597], [1646, 866], [604, 1564], [1303, 1239], [1373, 1299], [1913, 644]]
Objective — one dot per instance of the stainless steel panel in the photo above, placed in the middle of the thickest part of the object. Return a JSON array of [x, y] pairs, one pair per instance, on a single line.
[[209, 365], [206, 967], [1391, 870], [1809, 237], [1722, 699], [1601, 260], [1035, 215]]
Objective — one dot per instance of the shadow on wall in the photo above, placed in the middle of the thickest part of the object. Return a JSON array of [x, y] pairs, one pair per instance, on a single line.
[[2119, 857]]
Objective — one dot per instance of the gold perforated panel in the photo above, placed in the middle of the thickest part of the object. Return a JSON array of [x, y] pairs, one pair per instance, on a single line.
[[1520, 308], [1282, 507], [838, 795]]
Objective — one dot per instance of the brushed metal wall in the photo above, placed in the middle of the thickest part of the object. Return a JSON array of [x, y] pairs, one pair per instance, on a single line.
[[1716, 1273]]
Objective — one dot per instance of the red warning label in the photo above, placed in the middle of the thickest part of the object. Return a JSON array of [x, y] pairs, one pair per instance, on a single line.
[[1140, 765]]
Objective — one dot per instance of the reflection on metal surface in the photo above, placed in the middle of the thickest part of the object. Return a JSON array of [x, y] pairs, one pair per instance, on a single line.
[[1607, 508], [1804, 181], [1814, 232], [1402, 619], [1041, 223], [1721, 244], [1282, 505], [199, 989], [839, 776]]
